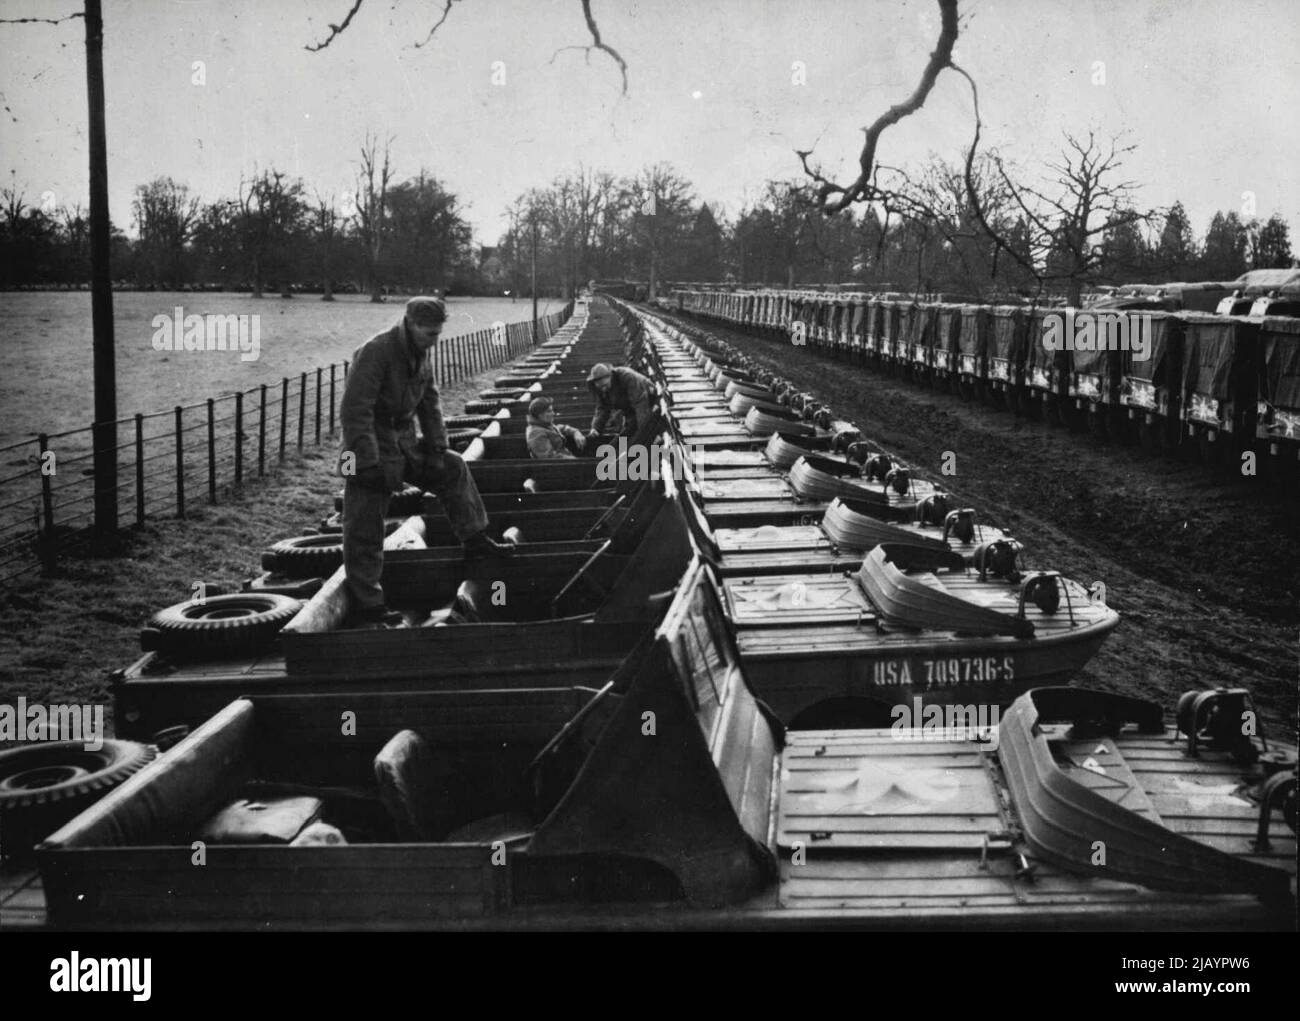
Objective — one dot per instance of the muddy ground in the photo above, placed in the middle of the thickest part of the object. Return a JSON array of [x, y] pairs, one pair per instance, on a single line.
[[1204, 570]]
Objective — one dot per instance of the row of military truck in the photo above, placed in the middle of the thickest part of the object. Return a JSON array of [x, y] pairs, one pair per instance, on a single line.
[[1200, 370]]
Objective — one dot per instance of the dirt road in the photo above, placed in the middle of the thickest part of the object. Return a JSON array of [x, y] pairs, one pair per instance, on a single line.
[[1205, 572]]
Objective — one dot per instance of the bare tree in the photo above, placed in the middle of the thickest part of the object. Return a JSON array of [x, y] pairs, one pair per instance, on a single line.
[[325, 227], [271, 215], [75, 221], [952, 203], [572, 210], [165, 217], [427, 237], [664, 200], [373, 178], [1075, 211], [13, 204]]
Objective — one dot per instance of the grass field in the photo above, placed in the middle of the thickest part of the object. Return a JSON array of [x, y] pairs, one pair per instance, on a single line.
[[47, 384]]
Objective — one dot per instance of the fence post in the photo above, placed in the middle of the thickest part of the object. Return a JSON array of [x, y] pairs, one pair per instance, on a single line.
[[261, 437], [139, 468], [318, 405], [239, 438], [180, 465], [284, 412], [302, 407], [45, 540], [333, 366], [212, 451]]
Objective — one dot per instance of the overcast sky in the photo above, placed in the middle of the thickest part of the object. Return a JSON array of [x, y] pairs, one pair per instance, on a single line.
[[1209, 91]]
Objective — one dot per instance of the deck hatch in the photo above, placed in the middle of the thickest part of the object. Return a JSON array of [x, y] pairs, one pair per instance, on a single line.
[[876, 790], [783, 600], [771, 488]]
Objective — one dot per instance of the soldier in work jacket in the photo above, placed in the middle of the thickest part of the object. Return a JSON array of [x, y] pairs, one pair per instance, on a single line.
[[620, 389], [389, 388]]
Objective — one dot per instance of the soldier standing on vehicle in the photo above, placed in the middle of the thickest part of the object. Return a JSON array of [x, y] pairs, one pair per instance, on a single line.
[[389, 387], [620, 389]]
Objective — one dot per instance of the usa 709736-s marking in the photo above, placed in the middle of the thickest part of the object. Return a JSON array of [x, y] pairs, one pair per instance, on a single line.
[[931, 673]]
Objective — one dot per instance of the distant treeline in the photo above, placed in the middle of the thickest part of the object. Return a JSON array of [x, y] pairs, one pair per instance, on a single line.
[[277, 236]]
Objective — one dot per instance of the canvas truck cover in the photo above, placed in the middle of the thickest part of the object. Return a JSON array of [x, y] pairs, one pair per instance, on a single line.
[[832, 316], [1261, 281], [836, 314], [804, 309], [976, 325], [1103, 362], [913, 320], [1280, 348], [1152, 369], [1007, 338], [874, 323], [890, 321], [858, 323], [1209, 345], [948, 328], [1036, 354]]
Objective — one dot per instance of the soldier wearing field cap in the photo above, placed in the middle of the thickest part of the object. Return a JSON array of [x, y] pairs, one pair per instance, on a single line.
[[389, 388], [622, 389], [547, 440]]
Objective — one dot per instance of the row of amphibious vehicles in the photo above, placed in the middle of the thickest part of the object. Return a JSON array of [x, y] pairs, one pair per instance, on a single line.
[[779, 680]]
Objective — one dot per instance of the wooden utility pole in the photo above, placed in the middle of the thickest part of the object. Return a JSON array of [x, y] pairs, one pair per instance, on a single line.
[[533, 218], [101, 282]]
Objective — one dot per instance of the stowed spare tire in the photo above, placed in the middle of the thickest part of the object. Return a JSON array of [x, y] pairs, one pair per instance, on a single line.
[[467, 421], [459, 439], [43, 785], [305, 556], [239, 624]]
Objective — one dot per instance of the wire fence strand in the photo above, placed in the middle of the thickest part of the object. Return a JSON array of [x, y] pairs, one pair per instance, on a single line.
[[168, 459]]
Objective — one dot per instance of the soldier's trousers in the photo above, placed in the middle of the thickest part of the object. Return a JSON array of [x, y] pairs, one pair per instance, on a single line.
[[363, 520]]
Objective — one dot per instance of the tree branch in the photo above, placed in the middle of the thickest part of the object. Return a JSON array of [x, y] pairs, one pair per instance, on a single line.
[[41, 21], [862, 189], [446, 9], [336, 30], [596, 44]]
